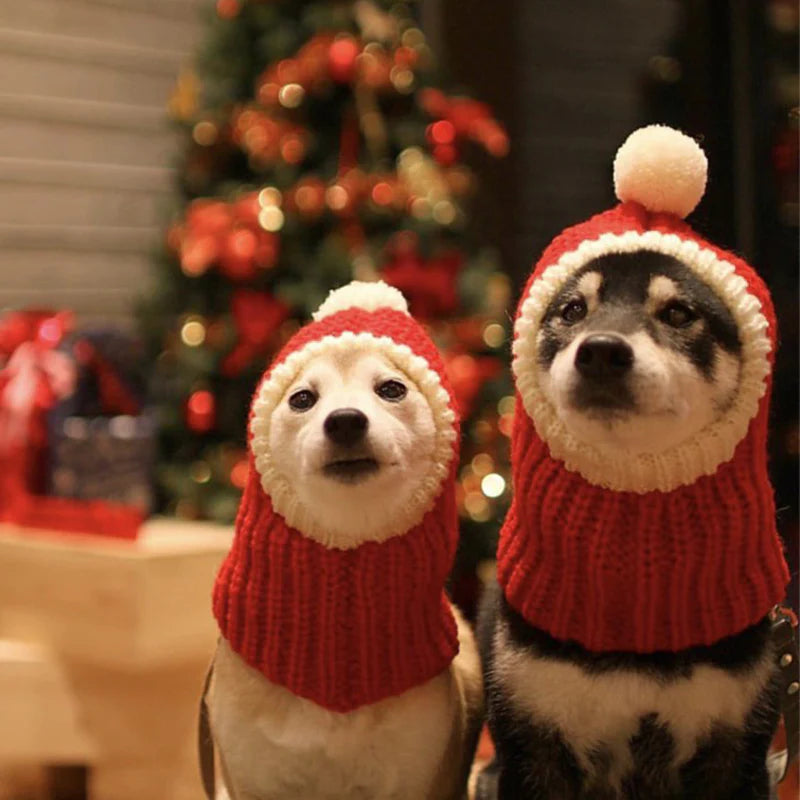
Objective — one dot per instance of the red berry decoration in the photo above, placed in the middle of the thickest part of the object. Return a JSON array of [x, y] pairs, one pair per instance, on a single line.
[[445, 154], [237, 260], [228, 9], [342, 59], [201, 411], [308, 197], [198, 253]]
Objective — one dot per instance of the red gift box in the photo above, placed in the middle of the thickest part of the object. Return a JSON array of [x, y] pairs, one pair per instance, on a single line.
[[34, 376]]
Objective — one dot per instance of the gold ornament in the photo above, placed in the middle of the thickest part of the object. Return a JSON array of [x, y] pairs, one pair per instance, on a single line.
[[424, 180], [477, 506], [413, 37], [494, 334], [271, 218], [200, 472], [374, 23], [270, 196], [402, 79], [193, 332], [506, 405], [482, 464], [493, 485], [183, 101], [205, 133]]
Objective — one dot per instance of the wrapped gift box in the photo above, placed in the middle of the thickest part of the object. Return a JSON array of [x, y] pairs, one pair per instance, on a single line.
[[76, 448], [104, 458]]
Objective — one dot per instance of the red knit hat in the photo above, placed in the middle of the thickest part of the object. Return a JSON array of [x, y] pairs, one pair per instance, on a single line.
[[658, 550], [339, 619]]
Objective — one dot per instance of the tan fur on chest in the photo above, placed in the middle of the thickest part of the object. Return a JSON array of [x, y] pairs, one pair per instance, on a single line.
[[277, 746]]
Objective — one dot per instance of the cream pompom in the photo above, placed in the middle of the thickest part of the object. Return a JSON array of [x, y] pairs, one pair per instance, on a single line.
[[368, 296], [661, 168]]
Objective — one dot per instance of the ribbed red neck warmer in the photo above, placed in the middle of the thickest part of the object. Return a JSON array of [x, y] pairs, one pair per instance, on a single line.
[[343, 628], [640, 572]]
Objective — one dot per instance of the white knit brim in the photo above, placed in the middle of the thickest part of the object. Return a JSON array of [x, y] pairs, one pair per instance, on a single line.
[[272, 391], [684, 463]]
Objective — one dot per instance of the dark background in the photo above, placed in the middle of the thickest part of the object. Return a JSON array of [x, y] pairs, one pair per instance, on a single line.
[[572, 78]]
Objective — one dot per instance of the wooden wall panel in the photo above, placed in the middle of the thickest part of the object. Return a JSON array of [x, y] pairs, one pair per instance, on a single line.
[[85, 147]]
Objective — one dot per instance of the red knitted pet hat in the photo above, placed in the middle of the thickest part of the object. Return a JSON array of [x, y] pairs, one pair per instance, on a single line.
[[657, 550], [346, 620]]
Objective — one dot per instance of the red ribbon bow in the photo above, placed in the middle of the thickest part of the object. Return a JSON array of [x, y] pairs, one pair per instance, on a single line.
[[34, 377], [429, 284], [470, 119], [257, 317]]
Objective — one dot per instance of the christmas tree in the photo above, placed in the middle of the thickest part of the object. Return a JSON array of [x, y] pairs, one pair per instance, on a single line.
[[318, 149]]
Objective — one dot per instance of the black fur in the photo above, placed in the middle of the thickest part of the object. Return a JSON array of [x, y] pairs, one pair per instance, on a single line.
[[534, 762], [739, 652], [623, 292]]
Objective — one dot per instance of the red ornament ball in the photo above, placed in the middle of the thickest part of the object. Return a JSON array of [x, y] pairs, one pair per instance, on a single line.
[[237, 260], [342, 59], [247, 208], [197, 254], [228, 9], [309, 197], [445, 154], [201, 411], [208, 217], [442, 132], [239, 473]]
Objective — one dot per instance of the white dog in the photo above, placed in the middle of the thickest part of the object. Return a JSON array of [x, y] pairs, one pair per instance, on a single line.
[[352, 445]]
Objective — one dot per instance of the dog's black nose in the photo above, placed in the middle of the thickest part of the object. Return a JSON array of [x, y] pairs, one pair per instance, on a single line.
[[602, 356], [346, 426]]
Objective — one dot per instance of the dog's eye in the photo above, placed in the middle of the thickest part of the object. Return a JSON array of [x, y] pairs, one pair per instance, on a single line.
[[677, 315], [574, 311], [391, 390], [302, 400]]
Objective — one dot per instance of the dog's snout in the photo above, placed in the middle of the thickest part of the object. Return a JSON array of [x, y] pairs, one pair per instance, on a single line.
[[346, 426], [603, 356]]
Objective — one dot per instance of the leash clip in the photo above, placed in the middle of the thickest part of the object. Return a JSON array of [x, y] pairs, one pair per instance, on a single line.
[[784, 636]]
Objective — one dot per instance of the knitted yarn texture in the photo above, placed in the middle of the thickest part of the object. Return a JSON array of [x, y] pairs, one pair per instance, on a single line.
[[658, 551], [344, 627]]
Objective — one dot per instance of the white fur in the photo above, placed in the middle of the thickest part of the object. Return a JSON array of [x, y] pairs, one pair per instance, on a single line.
[[400, 435], [380, 508], [277, 746], [660, 291], [673, 400], [682, 463], [368, 296], [274, 745], [606, 708], [661, 168], [589, 286]]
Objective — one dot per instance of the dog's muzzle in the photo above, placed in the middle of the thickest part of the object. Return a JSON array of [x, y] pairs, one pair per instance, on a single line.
[[346, 429], [346, 426], [604, 357], [603, 361]]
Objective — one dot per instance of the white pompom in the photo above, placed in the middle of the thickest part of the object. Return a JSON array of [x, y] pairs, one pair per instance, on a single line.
[[368, 296], [661, 168]]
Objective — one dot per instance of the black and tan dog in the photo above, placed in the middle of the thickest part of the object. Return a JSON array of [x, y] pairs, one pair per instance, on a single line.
[[627, 650]]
